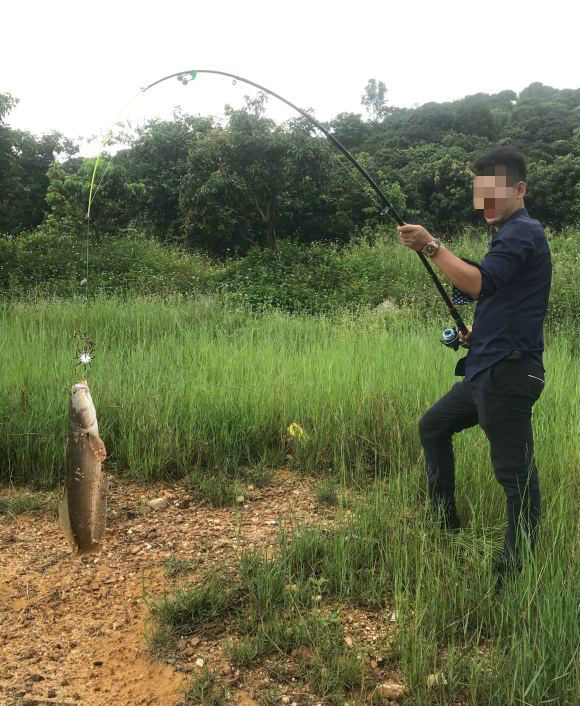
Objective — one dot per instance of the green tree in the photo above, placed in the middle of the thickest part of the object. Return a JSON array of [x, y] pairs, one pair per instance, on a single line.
[[374, 100], [24, 161], [553, 194], [116, 199], [349, 129], [252, 182], [438, 183], [158, 159], [541, 119]]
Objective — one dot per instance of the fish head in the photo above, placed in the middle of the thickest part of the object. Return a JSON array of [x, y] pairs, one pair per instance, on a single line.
[[82, 408]]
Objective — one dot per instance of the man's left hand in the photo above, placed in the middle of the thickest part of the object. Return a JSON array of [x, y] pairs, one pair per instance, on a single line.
[[414, 236]]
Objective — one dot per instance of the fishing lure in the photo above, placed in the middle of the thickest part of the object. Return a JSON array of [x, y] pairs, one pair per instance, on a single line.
[[85, 350]]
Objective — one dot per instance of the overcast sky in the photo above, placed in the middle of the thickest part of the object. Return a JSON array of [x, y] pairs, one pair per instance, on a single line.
[[74, 65]]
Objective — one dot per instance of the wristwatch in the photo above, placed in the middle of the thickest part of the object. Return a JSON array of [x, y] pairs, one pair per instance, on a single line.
[[431, 248]]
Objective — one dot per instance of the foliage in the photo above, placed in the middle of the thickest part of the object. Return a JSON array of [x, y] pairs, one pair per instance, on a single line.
[[116, 198], [252, 182], [349, 129], [44, 264], [418, 145], [555, 189], [158, 159], [24, 160], [320, 278], [437, 181], [225, 188]]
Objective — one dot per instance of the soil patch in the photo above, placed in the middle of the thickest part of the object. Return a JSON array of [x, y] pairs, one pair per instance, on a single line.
[[72, 629]]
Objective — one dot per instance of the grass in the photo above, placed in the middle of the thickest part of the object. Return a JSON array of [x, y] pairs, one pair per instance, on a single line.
[[174, 566], [21, 503], [186, 610], [216, 489], [326, 492], [206, 689], [194, 387], [200, 390], [319, 278], [453, 637]]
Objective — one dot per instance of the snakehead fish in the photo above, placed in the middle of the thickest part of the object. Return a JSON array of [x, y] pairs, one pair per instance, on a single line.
[[83, 508]]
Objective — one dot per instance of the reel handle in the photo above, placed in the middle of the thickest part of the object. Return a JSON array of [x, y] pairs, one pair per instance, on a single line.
[[450, 338]]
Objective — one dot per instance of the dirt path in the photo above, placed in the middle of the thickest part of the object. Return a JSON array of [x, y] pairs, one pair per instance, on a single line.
[[72, 630]]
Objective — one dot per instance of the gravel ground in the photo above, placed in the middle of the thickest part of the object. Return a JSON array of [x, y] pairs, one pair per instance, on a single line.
[[72, 629]]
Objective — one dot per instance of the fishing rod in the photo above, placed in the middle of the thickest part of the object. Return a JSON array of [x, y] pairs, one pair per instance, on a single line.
[[450, 337]]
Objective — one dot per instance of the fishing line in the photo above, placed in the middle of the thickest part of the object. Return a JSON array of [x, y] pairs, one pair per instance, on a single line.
[[386, 208], [85, 352]]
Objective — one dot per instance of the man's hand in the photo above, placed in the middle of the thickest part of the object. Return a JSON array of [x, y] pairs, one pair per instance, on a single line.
[[466, 277], [414, 236], [465, 338]]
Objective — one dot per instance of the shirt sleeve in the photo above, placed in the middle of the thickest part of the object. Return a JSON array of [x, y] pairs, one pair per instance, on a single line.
[[507, 254], [457, 296]]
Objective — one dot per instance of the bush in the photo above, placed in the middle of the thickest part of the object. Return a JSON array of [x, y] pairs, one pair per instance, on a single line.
[[304, 279], [54, 265]]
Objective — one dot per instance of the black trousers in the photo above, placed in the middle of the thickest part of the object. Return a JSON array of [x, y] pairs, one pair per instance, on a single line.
[[499, 399]]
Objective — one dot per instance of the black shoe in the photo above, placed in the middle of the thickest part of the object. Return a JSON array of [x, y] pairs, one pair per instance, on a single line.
[[441, 525], [450, 522], [503, 572], [453, 525]]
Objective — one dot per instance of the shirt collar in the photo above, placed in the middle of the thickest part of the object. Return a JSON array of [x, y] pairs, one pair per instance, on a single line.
[[520, 212]]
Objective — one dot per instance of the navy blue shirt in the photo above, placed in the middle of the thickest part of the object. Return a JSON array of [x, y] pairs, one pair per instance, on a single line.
[[516, 275]]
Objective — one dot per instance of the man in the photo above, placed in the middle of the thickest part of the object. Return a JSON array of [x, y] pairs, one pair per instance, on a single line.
[[503, 371]]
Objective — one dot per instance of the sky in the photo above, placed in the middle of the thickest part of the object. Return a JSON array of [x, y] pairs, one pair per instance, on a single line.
[[75, 65]]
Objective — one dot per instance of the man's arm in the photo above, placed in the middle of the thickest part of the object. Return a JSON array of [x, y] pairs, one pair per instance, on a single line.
[[466, 277]]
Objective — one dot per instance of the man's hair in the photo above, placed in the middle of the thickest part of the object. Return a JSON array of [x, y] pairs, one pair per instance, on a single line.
[[510, 158]]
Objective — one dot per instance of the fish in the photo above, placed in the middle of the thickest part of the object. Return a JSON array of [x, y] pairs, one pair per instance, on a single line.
[[83, 508]]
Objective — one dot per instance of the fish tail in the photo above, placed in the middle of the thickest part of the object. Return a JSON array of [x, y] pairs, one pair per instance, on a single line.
[[64, 520]]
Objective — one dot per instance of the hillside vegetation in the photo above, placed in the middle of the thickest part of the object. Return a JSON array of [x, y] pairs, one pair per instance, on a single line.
[[223, 186]]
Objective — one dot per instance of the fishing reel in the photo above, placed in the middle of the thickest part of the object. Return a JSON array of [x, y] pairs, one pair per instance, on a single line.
[[450, 338]]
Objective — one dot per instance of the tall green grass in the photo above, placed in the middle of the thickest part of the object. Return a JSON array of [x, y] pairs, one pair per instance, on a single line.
[[483, 649], [182, 385], [185, 385]]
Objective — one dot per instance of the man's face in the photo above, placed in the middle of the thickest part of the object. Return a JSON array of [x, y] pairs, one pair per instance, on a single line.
[[496, 197]]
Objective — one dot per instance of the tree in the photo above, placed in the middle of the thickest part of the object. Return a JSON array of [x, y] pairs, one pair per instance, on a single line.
[[250, 181], [158, 159], [553, 195], [437, 182], [7, 103], [374, 100], [116, 199], [253, 181], [349, 129], [24, 161]]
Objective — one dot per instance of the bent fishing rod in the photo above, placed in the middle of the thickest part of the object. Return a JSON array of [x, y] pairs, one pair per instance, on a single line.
[[387, 210]]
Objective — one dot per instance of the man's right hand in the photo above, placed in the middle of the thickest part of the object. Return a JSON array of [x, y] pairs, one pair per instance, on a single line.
[[464, 338]]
